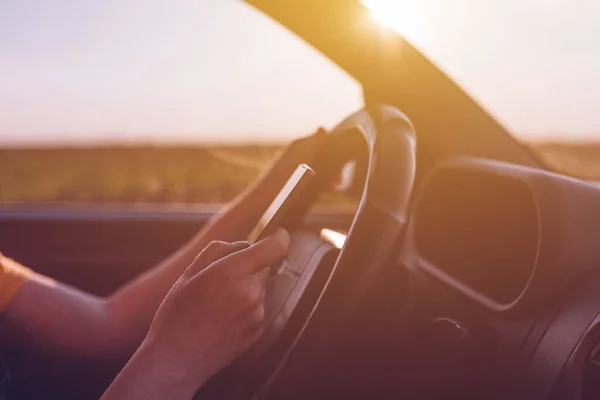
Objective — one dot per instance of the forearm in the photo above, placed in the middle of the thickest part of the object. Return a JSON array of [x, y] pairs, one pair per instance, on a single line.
[[242, 214], [54, 317], [133, 306], [150, 375], [49, 317], [58, 319]]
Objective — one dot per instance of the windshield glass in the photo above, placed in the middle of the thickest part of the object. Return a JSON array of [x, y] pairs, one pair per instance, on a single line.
[[153, 101], [76, 73], [532, 64]]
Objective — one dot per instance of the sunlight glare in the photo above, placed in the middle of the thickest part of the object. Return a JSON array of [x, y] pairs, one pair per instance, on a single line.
[[407, 17]]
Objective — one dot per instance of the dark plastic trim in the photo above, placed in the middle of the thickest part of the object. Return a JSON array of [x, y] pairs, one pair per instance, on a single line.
[[568, 212]]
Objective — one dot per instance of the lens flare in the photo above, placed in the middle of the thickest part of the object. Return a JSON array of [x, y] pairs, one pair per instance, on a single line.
[[407, 17]]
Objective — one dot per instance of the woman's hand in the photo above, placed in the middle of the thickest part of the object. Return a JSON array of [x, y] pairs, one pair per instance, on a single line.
[[131, 309], [214, 312], [303, 150]]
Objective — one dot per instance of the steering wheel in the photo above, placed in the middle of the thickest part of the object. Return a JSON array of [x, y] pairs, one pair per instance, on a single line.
[[374, 240]]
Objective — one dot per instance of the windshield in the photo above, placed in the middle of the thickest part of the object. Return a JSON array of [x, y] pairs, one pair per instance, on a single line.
[[532, 64], [160, 72], [153, 101]]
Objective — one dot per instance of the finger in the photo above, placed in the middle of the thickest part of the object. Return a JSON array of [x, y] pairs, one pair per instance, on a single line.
[[259, 279], [321, 132], [315, 139], [262, 277], [214, 252], [269, 251], [318, 138], [259, 284]]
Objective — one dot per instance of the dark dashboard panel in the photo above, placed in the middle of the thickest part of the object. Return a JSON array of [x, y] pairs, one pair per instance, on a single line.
[[485, 232], [508, 256], [98, 248], [504, 235]]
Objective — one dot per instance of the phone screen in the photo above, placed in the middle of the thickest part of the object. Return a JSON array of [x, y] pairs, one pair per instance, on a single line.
[[275, 213]]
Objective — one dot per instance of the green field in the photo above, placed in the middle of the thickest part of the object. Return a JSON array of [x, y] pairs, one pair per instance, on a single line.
[[130, 174], [180, 174], [581, 160]]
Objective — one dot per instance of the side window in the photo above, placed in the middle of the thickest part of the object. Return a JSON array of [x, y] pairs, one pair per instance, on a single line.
[[181, 101]]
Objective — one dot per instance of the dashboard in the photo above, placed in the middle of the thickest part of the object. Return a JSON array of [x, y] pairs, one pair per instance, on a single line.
[[502, 262]]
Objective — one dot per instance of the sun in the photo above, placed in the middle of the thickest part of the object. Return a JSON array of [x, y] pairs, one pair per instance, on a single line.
[[407, 17]]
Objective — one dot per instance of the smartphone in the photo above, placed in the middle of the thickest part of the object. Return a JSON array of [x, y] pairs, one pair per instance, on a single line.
[[275, 214]]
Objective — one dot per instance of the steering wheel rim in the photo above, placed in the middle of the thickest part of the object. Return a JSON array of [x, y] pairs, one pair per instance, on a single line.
[[377, 232]]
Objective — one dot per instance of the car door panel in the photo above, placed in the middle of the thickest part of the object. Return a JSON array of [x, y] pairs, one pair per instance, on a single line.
[[94, 248], [99, 248]]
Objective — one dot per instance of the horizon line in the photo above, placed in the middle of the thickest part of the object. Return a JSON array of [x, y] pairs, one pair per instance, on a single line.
[[248, 140]]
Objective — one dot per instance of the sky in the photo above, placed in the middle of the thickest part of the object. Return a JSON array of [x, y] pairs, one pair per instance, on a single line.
[[114, 71], [534, 64]]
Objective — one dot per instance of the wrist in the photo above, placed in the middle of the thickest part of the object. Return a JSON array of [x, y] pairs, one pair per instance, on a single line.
[[154, 372], [172, 367]]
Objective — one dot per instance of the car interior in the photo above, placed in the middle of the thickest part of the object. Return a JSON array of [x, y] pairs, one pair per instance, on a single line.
[[468, 269]]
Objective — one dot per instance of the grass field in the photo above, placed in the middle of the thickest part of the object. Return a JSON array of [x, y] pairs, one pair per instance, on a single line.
[[129, 175], [180, 174], [581, 160]]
